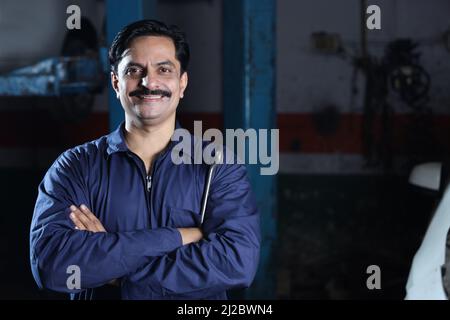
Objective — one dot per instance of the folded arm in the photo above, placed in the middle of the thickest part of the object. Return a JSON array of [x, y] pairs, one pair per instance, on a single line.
[[226, 258], [55, 244]]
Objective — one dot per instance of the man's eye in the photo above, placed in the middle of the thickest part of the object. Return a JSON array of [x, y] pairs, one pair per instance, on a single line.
[[133, 71], [164, 70]]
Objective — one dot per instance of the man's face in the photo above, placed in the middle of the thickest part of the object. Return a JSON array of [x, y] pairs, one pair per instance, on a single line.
[[148, 82]]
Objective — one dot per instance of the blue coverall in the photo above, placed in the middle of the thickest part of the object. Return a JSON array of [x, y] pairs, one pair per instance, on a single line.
[[141, 212]]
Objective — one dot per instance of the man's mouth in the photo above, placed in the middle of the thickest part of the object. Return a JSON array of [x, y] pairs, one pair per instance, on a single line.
[[151, 98], [151, 95]]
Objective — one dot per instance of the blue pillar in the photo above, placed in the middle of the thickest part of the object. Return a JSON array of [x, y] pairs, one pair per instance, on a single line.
[[249, 102], [119, 14]]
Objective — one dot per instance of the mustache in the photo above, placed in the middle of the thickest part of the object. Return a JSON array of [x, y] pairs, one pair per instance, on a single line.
[[147, 92]]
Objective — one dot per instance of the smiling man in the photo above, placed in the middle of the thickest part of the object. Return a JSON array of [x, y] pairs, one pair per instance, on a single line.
[[121, 212]]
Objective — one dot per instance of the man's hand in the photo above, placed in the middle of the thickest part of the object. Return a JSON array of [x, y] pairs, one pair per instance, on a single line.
[[190, 235], [84, 219]]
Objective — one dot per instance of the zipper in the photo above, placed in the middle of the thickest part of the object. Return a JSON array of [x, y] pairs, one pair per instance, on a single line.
[[149, 183], [141, 166]]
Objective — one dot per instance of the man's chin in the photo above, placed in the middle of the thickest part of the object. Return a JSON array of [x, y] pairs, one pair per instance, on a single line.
[[153, 118], [147, 117], [149, 112]]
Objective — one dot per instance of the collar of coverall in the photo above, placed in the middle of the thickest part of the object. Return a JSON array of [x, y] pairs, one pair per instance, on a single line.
[[116, 140]]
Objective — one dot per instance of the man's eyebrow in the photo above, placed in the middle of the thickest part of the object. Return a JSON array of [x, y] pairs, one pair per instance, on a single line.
[[134, 64], [166, 62]]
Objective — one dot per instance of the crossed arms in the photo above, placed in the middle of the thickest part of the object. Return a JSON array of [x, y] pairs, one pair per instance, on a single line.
[[167, 261]]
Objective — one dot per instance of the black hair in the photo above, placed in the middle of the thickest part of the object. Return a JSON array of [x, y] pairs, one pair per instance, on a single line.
[[149, 28]]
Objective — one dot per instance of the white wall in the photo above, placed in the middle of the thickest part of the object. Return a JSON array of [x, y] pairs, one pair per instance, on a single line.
[[33, 30], [307, 80]]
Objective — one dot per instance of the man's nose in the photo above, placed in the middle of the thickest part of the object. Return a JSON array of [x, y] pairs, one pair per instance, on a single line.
[[149, 80]]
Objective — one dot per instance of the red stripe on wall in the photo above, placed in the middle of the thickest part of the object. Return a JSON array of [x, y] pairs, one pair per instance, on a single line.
[[39, 128], [305, 133], [300, 132]]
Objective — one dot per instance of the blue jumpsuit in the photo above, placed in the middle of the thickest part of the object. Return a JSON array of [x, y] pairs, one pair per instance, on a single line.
[[141, 212]]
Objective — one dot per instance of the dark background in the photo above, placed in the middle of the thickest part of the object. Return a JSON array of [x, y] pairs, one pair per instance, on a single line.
[[349, 135]]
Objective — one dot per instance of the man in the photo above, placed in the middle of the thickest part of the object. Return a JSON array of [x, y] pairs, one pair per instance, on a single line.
[[121, 211]]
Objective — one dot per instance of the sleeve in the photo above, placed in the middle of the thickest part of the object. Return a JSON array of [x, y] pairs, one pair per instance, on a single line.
[[226, 258], [55, 245]]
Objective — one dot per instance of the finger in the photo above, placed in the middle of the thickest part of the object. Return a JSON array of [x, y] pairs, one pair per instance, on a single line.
[[96, 222], [88, 212], [78, 224], [84, 219], [75, 219]]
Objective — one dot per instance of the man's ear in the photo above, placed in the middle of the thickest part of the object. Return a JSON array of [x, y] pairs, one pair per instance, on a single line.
[[115, 83], [183, 83]]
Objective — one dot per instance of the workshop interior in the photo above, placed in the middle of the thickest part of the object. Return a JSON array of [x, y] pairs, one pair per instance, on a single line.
[[361, 100]]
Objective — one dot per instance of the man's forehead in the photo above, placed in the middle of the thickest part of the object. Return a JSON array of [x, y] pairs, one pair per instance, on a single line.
[[146, 44]]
